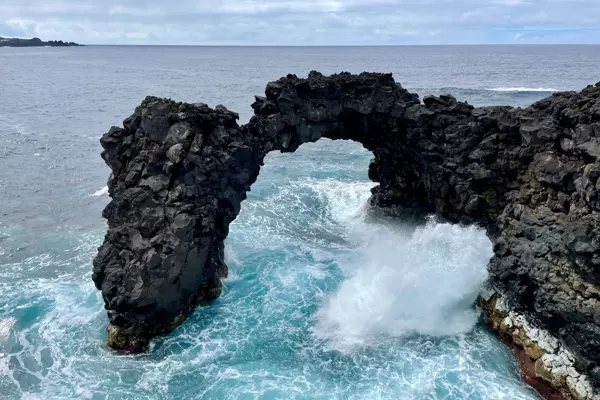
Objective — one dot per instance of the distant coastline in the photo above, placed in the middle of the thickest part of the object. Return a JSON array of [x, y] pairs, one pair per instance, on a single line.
[[34, 42]]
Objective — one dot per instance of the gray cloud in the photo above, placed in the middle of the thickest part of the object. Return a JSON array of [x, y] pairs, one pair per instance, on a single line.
[[304, 22]]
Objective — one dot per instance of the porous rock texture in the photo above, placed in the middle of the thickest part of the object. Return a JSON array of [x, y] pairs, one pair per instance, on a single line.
[[529, 176]]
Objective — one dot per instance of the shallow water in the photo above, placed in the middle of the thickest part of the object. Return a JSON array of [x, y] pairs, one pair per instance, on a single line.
[[321, 303]]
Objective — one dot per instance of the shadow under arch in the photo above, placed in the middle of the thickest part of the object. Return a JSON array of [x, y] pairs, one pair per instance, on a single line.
[[181, 171]]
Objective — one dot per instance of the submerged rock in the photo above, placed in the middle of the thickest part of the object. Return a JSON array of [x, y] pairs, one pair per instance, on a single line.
[[530, 176]]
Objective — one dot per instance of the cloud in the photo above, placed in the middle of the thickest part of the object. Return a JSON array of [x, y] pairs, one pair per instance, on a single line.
[[303, 22]]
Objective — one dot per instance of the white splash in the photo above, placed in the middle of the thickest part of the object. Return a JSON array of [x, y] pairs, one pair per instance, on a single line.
[[424, 282], [522, 89], [101, 192]]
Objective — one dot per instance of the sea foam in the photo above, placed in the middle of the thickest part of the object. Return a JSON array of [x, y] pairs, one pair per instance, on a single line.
[[404, 283]]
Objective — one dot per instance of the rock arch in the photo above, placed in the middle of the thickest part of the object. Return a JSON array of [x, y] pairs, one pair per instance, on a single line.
[[530, 176]]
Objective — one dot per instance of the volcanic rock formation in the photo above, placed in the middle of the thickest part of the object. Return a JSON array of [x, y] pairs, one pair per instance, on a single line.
[[530, 176]]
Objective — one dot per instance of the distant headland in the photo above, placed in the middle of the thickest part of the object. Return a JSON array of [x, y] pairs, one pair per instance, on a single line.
[[34, 42]]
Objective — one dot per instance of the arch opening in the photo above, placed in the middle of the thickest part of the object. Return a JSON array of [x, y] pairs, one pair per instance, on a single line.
[[305, 246]]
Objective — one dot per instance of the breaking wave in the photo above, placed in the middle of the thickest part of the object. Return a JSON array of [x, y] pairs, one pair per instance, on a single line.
[[522, 89], [101, 192], [401, 284]]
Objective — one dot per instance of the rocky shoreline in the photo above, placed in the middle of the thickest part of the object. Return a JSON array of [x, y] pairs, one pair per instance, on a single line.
[[545, 363], [529, 176]]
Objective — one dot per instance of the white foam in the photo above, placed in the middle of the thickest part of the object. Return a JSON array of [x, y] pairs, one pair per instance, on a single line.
[[101, 192], [423, 282], [316, 213], [5, 327], [522, 89], [345, 200]]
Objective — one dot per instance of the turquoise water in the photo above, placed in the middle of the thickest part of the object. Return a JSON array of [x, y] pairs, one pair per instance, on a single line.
[[322, 303]]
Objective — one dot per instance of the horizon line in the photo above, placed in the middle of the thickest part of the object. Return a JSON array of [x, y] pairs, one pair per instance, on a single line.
[[339, 45]]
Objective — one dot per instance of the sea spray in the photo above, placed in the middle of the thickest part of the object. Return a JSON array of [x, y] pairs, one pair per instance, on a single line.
[[100, 192], [403, 283]]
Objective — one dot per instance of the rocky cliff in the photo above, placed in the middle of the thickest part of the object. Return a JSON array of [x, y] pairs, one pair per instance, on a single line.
[[530, 176]]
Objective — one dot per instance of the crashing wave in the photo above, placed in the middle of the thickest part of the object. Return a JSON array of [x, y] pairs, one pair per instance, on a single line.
[[100, 192]]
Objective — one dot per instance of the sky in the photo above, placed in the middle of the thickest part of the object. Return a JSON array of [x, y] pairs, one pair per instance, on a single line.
[[303, 22]]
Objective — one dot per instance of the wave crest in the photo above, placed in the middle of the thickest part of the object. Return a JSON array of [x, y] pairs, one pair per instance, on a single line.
[[522, 89], [100, 192]]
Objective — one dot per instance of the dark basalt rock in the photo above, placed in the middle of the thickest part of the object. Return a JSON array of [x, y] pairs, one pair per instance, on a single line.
[[530, 176]]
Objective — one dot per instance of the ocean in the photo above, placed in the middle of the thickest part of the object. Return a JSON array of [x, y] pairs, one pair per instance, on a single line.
[[322, 302]]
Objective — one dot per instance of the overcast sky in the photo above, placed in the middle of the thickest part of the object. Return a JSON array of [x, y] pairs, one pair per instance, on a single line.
[[303, 22]]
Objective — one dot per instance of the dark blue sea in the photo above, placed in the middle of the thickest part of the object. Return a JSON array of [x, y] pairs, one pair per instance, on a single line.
[[320, 304]]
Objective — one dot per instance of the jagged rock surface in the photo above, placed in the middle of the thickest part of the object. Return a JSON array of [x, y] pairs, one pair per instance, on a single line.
[[530, 176]]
